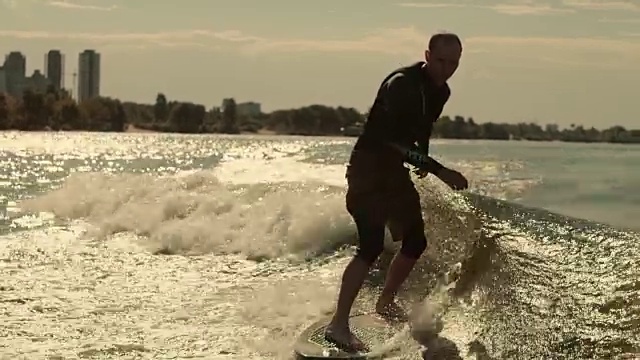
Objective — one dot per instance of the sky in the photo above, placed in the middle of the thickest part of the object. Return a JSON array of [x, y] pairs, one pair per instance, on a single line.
[[544, 61]]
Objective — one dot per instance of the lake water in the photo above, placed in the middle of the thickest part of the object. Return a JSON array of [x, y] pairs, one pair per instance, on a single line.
[[157, 246]]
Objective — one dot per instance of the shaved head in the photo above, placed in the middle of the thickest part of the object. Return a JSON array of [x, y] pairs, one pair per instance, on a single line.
[[444, 39]]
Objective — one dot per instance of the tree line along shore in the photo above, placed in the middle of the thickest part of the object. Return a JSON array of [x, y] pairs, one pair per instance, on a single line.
[[57, 111]]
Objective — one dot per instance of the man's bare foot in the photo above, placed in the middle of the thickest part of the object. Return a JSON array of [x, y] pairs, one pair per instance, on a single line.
[[391, 311], [343, 338]]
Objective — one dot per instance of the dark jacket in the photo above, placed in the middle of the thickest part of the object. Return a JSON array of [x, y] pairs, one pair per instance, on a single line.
[[405, 108]]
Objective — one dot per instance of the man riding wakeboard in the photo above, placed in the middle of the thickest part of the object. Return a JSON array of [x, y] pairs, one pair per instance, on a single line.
[[380, 190]]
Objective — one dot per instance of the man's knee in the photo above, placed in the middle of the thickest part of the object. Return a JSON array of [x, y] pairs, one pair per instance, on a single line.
[[409, 214], [369, 252], [414, 243], [371, 239]]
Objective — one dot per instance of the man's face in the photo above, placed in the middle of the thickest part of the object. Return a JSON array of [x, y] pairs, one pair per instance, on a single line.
[[443, 61]]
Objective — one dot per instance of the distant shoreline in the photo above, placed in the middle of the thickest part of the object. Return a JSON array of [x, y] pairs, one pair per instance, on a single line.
[[56, 110], [132, 129]]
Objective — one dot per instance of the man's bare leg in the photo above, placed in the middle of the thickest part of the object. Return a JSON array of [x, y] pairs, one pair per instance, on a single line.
[[398, 271], [352, 280]]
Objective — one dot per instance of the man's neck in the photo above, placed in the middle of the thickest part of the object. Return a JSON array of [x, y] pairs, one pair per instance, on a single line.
[[430, 79]]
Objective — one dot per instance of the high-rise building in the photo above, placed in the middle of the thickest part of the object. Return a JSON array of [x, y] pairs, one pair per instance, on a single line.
[[54, 68], [37, 82], [89, 75], [15, 69], [3, 80], [249, 108]]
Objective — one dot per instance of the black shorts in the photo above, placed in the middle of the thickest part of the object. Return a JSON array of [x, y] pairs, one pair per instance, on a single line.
[[383, 195]]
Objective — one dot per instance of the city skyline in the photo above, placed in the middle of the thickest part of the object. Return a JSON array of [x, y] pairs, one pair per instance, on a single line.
[[561, 61], [15, 76]]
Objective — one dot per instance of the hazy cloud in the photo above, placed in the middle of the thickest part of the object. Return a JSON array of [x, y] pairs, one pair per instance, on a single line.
[[620, 21], [64, 4], [557, 43], [603, 5], [518, 8], [11, 4], [528, 9], [227, 35], [398, 41], [432, 5], [79, 6], [531, 7]]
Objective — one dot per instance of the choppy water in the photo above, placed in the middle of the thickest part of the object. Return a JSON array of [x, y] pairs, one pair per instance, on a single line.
[[175, 246]]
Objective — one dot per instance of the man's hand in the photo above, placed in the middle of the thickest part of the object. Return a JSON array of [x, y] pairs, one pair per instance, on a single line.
[[454, 179], [421, 173]]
